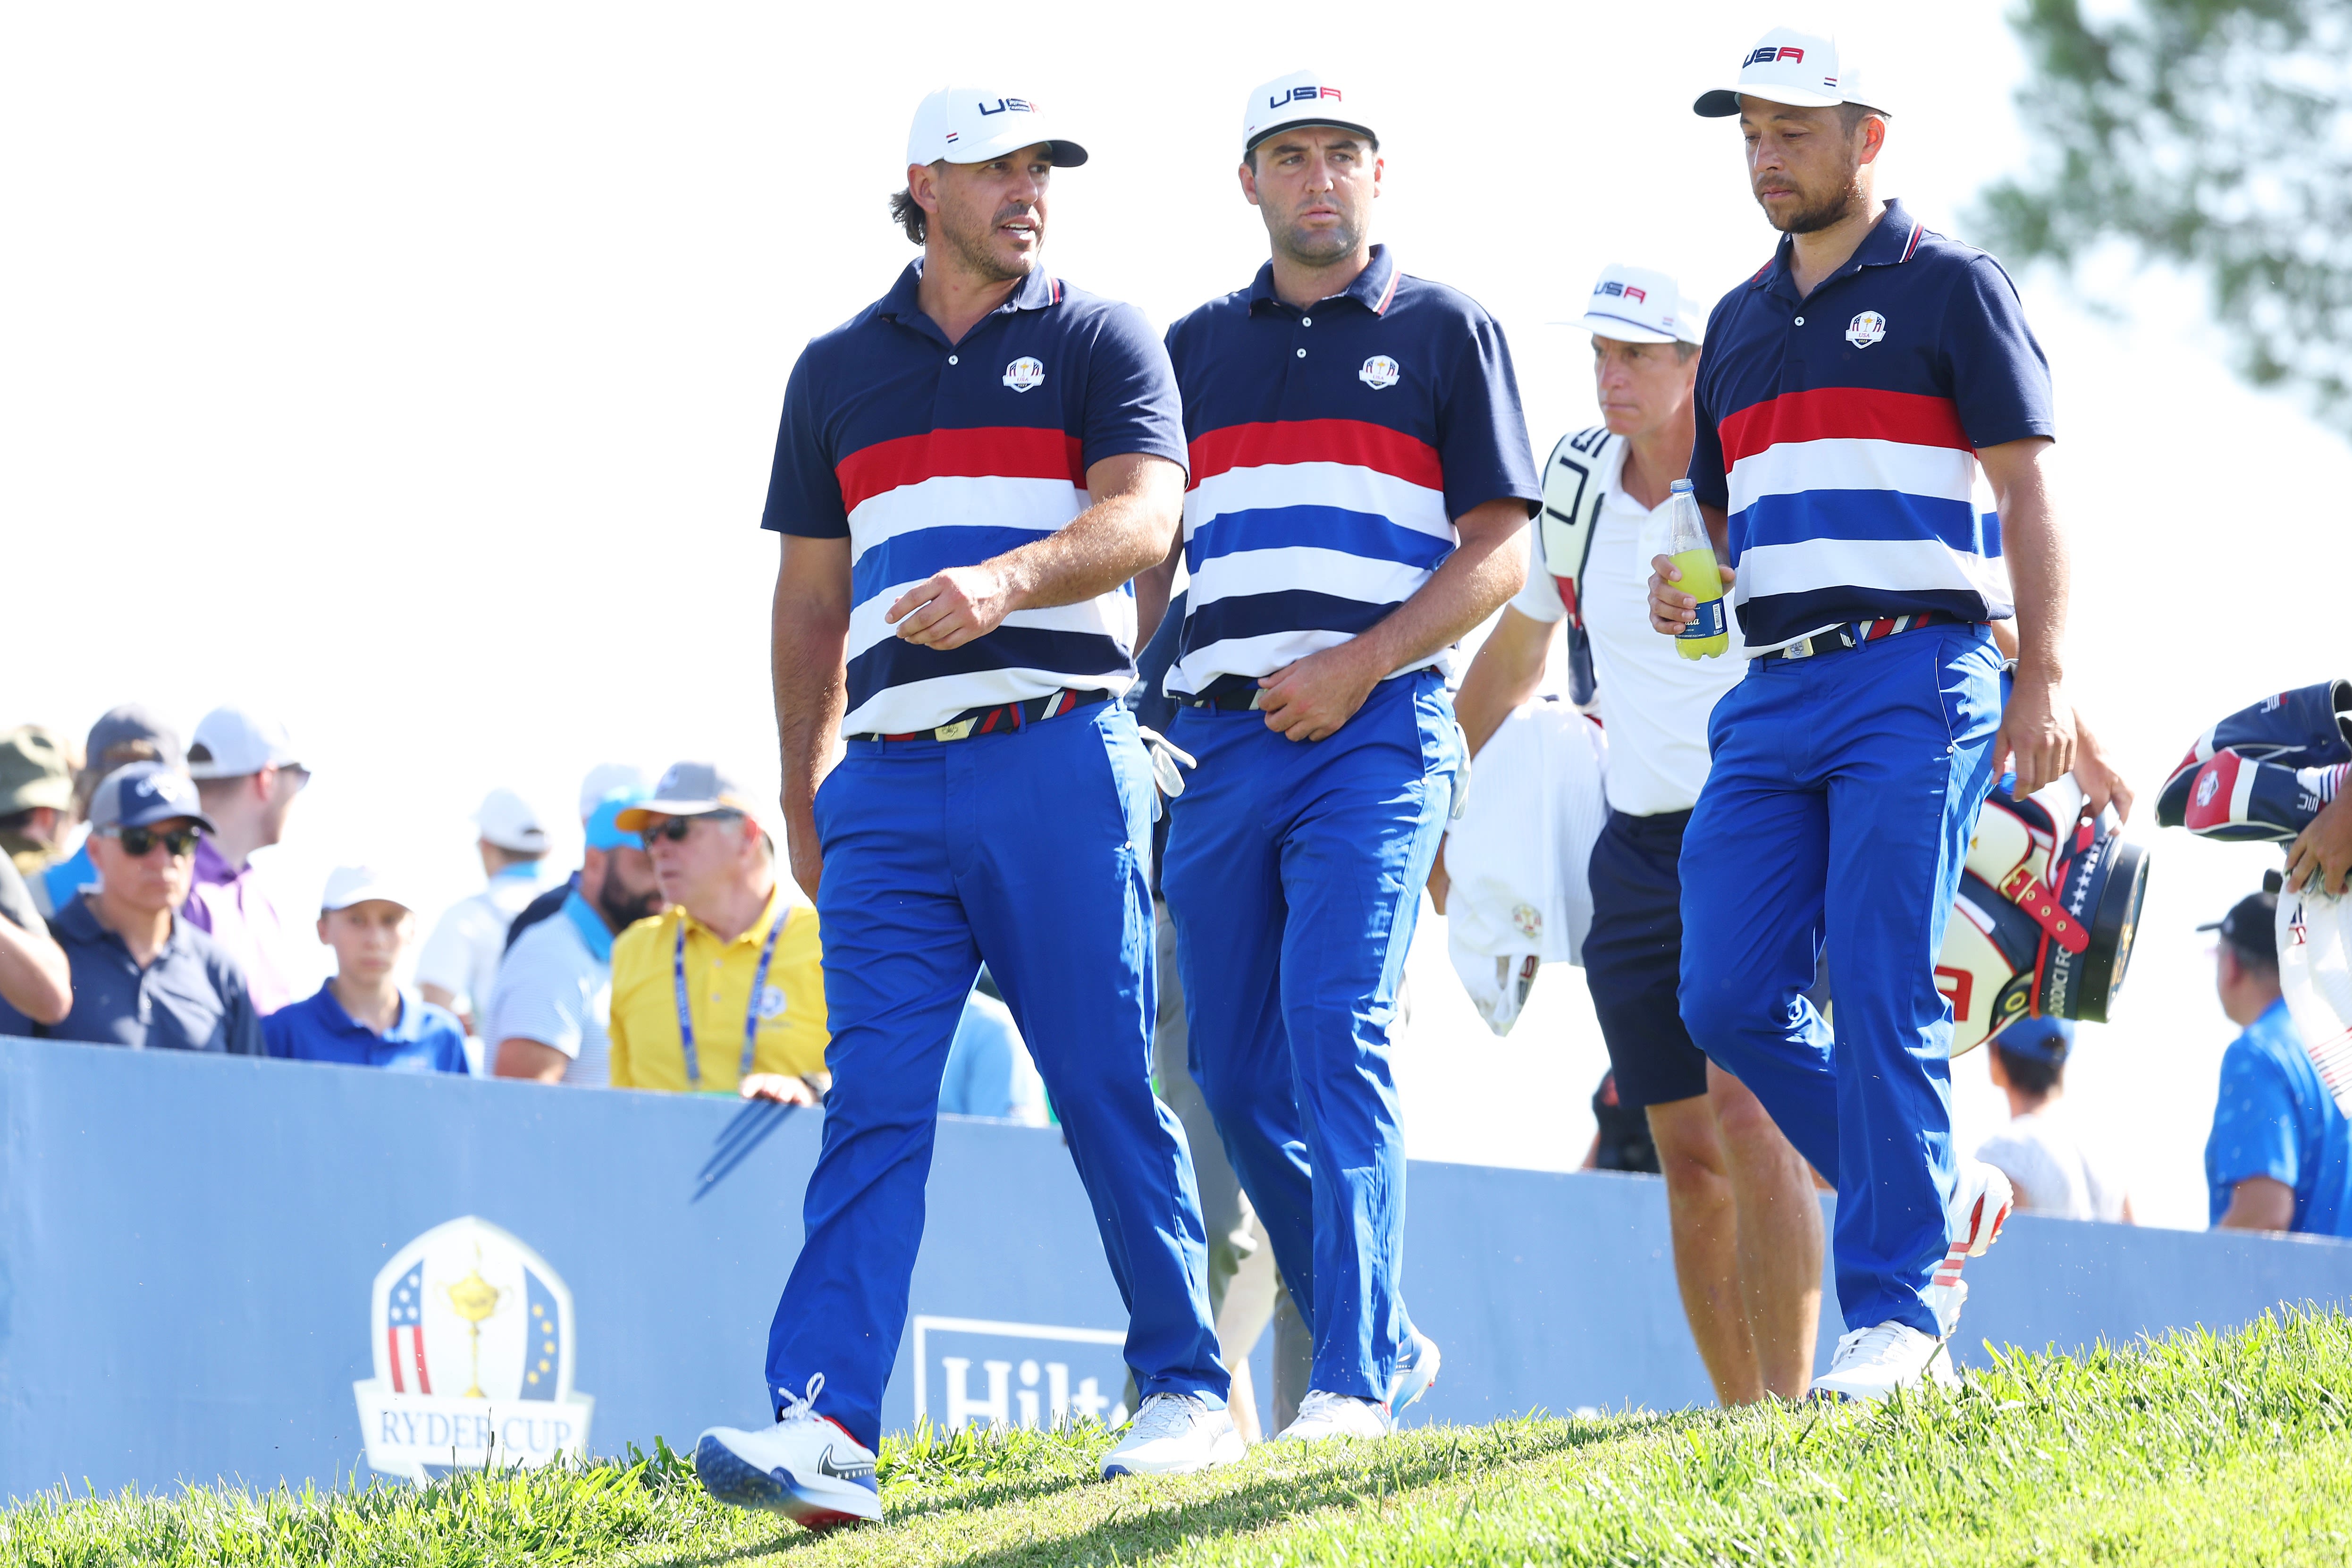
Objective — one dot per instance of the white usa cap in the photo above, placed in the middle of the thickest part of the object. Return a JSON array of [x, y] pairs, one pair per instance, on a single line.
[[1790, 66], [973, 124], [348, 885], [1638, 305], [231, 742], [1302, 98]]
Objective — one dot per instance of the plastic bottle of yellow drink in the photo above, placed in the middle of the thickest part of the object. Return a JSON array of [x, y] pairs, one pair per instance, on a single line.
[[1693, 557]]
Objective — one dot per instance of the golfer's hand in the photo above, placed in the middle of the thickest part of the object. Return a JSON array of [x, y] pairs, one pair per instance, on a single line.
[[1671, 609], [2323, 850], [1310, 697], [954, 607], [2033, 738]]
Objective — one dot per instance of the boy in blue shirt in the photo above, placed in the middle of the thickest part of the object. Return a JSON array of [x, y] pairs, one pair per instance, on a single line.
[[362, 1017]]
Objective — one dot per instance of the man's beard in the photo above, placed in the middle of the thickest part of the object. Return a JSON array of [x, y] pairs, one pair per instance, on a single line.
[[1320, 248], [623, 910], [970, 246], [1823, 213]]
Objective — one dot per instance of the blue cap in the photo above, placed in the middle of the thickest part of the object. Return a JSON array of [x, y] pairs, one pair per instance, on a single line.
[[604, 829], [2043, 1039], [139, 795]]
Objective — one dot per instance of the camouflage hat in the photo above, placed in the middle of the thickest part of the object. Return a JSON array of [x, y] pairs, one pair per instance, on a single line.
[[34, 772]]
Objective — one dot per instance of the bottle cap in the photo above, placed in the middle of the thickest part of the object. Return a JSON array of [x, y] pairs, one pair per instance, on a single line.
[[1680, 487]]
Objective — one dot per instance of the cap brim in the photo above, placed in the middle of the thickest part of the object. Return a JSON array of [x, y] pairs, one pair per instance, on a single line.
[[633, 819], [151, 818], [1621, 328], [1366, 132], [2214, 925], [1724, 101], [1065, 153]]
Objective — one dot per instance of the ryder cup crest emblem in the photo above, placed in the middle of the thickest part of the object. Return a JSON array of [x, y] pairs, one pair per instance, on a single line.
[[1380, 372], [472, 1335], [2207, 787], [1024, 374], [1865, 329]]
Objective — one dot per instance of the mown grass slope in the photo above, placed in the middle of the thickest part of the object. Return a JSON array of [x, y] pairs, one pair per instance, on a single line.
[[2234, 1450]]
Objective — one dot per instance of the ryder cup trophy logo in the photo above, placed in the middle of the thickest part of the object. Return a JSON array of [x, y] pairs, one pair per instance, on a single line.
[[473, 1341], [1024, 374]]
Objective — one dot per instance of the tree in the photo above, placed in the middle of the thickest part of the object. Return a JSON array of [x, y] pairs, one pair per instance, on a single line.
[[2213, 135]]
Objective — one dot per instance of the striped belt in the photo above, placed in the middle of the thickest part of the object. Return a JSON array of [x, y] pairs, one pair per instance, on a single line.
[[1854, 634], [1003, 716]]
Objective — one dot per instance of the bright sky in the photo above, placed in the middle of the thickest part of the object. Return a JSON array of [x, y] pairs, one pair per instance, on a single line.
[[412, 374]]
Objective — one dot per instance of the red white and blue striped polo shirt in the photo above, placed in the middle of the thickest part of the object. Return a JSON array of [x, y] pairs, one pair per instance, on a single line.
[[1331, 450], [926, 455], [1839, 432]]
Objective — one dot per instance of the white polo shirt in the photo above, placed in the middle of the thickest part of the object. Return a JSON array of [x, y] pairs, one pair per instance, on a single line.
[[1652, 701]]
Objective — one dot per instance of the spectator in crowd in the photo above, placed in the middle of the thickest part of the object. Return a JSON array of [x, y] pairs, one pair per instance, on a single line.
[[130, 734], [142, 976], [2039, 1151], [722, 991], [989, 1072], [2280, 1156], [36, 798], [604, 781], [460, 963], [550, 1010], [246, 776], [362, 1017], [35, 978]]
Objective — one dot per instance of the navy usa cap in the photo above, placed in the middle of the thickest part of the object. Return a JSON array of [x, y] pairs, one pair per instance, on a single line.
[[139, 795]]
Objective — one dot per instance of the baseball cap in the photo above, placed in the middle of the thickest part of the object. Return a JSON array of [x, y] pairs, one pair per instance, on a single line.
[[231, 742], [2043, 1039], [137, 794], [1796, 67], [508, 821], [33, 771], [131, 724], [604, 829], [1639, 305], [348, 885], [2252, 925], [688, 789], [1302, 98], [973, 124], [606, 780]]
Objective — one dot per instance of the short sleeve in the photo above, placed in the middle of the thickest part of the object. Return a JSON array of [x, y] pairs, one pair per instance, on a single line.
[[16, 899], [2253, 1123], [535, 999], [1538, 598], [1710, 481], [804, 489], [1999, 375], [1131, 403], [1482, 434]]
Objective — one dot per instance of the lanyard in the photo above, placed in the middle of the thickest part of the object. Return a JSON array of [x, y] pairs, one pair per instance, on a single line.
[[750, 1012]]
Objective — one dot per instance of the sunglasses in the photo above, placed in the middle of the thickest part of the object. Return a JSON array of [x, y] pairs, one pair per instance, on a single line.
[[678, 827], [138, 841]]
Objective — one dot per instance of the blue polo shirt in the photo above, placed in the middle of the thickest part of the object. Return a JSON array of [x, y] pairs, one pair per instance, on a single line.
[[1839, 430], [926, 454], [423, 1038], [2274, 1118], [1331, 450], [191, 997]]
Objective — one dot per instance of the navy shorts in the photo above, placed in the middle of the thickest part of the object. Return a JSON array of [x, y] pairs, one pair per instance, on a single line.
[[1633, 959]]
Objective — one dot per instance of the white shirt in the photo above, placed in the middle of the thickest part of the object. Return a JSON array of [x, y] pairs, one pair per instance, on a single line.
[[551, 989], [1652, 701], [2041, 1152], [462, 954]]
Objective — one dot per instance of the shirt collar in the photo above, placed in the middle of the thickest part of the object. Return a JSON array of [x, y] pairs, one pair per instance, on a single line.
[[212, 867], [76, 922], [1374, 288], [409, 1025], [757, 932], [904, 302], [594, 934], [527, 869], [1890, 243]]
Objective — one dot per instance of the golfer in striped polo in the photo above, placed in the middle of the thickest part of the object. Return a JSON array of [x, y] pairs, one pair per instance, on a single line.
[[970, 472]]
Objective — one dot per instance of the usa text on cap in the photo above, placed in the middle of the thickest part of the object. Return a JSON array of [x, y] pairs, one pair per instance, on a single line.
[[1302, 98], [1789, 67], [231, 742], [1637, 305], [973, 124]]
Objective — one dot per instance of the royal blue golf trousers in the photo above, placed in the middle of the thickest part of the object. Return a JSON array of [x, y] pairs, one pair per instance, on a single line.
[[1029, 849], [1294, 875], [1838, 807]]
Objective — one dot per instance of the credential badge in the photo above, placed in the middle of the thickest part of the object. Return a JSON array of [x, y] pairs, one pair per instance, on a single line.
[[1024, 374], [1865, 329], [1380, 372]]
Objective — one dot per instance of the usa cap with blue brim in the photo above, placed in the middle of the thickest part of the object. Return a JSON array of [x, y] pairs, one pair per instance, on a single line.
[[974, 124], [1802, 69], [1302, 98], [140, 795], [1641, 305]]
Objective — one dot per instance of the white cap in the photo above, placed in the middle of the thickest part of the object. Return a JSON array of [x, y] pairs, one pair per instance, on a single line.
[[606, 780], [973, 124], [1302, 98], [348, 885], [1638, 305], [508, 822], [1790, 66], [231, 742]]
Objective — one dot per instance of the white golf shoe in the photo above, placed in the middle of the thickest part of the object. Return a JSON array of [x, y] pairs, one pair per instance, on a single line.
[[1174, 1435], [1323, 1416], [1416, 1371], [1871, 1363], [805, 1467], [1982, 1200]]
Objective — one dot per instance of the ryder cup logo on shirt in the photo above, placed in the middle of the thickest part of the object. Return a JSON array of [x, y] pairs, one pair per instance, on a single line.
[[1379, 372], [472, 1334], [1024, 374], [772, 1003], [1865, 329]]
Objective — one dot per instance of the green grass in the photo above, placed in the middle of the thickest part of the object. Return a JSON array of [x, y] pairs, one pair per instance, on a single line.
[[2234, 1450]]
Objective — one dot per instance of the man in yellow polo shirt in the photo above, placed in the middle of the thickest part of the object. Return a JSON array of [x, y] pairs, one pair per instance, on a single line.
[[721, 992]]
